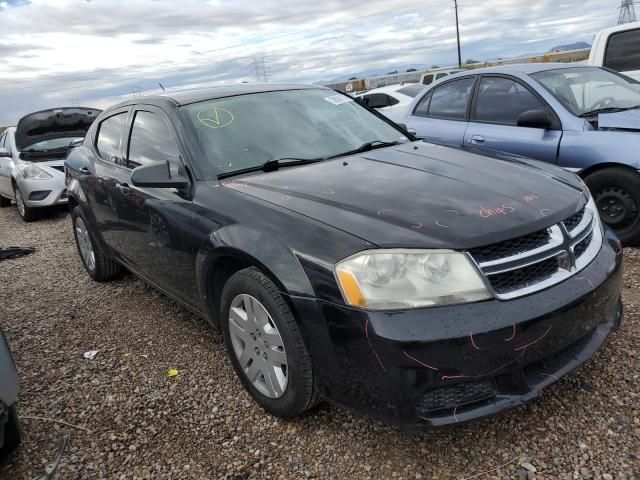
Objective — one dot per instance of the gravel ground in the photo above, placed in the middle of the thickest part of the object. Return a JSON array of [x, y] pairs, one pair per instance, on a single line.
[[201, 424]]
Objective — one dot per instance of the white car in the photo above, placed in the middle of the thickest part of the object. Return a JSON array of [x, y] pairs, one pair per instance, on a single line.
[[32, 157], [392, 99], [618, 48]]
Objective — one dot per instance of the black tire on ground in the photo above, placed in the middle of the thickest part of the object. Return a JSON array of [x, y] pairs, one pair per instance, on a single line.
[[4, 202], [616, 192], [105, 268], [12, 432], [301, 393], [29, 214]]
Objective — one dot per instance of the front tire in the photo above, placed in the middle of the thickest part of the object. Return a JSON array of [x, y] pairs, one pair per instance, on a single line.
[[266, 346], [616, 192], [98, 265], [27, 214], [12, 432]]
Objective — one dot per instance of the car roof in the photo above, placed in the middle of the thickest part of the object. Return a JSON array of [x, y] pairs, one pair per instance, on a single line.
[[194, 95], [184, 97], [620, 28], [526, 68]]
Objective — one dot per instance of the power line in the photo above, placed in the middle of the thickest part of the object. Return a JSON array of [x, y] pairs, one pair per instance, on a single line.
[[627, 12]]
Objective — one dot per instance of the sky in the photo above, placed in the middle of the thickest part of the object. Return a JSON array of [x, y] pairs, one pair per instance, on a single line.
[[97, 52]]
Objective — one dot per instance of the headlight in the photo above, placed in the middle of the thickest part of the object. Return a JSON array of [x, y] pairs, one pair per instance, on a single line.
[[31, 172], [398, 279]]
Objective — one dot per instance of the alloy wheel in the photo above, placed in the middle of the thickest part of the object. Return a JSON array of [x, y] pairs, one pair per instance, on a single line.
[[84, 244], [258, 346]]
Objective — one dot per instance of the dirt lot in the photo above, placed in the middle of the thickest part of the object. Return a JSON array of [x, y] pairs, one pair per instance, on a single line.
[[202, 425]]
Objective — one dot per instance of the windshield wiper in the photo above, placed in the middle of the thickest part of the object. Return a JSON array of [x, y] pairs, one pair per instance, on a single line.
[[365, 147], [271, 166], [592, 113]]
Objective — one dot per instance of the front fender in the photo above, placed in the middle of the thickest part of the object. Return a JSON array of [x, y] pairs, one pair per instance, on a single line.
[[582, 150], [257, 248]]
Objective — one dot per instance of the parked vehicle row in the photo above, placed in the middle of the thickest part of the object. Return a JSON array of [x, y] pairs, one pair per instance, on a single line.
[[421, 284], [390, 100], [584, 119]]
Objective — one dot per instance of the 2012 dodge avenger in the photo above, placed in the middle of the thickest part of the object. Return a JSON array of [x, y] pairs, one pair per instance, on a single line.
[[342, 260]]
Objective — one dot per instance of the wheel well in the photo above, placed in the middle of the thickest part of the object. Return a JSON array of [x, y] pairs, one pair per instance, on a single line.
[[219, 272], [603, 166]]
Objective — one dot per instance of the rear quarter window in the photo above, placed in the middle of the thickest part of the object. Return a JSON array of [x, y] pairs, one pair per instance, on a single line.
[[623, 51]]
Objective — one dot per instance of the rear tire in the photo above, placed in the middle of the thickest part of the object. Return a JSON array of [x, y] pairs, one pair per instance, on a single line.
[[4, 202], [616, 192], [300, 393], [98, 265], [27, 214], [12, 432]]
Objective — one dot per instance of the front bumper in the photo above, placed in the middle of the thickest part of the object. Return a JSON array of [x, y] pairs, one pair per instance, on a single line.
[[43, 193], [450, 364]]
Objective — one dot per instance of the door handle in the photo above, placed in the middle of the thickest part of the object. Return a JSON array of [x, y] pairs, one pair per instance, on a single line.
[[123, 188], [477, 139], [84, 171]]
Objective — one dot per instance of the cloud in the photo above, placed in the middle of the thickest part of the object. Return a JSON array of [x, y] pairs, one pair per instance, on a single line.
[[57, 52]]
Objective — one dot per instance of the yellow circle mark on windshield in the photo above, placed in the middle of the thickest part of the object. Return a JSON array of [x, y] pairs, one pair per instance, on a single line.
[[215, 117]]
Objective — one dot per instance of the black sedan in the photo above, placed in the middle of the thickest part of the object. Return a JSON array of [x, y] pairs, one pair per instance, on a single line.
[[421, 284]]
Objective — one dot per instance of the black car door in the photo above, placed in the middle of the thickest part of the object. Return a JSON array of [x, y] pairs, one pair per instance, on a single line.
[[110, 172], [156, 221]]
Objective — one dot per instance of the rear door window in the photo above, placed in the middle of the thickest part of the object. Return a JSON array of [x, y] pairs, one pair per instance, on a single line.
[[502, 100], [109, 138], [152, 141], [450, 100], [623, 51]]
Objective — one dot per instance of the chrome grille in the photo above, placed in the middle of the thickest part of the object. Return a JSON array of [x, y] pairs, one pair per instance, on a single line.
[[539, 260]]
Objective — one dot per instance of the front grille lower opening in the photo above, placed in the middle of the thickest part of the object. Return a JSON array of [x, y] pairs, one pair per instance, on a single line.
[[445, 398]]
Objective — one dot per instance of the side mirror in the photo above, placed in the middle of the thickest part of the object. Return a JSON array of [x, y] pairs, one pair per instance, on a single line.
[[4, 153], [534, 119], [157, 175]]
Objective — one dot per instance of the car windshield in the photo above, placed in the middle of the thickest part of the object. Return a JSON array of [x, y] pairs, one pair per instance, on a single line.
[[246, 131], [587, 90], [51, 144]]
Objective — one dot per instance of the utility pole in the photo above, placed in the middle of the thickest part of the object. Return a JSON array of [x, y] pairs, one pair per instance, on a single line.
[[455, 3], [627, 12], [260, 69]]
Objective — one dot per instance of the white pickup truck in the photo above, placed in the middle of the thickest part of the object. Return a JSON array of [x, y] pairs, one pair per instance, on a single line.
[[618, 48]]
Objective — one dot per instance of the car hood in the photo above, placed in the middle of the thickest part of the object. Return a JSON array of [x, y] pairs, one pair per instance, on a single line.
[[65, 122], [423, 195], [627, 120]]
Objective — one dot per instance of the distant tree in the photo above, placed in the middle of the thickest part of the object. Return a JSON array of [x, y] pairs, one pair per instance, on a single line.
[[470, 61], [353, 78], [412, 69], [435, 66], [392, 73]]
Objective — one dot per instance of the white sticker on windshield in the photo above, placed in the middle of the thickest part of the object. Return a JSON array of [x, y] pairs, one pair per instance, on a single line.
[[338, 99]]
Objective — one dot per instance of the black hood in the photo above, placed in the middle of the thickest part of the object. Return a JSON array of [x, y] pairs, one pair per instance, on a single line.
[[67, 122], [424, 195]]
